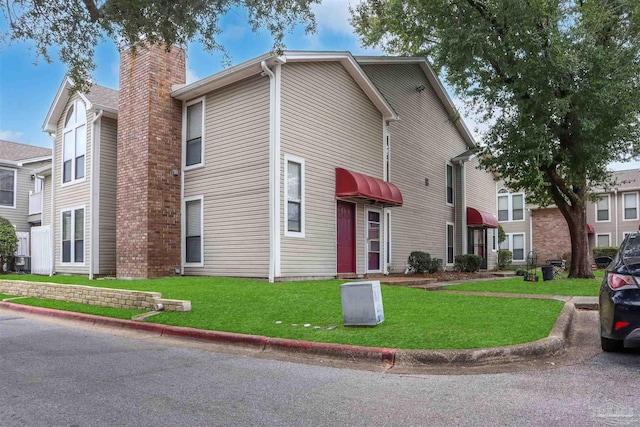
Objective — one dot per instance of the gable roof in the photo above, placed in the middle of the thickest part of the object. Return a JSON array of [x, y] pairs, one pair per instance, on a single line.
[[435, 82], [254, 66], [16, 153], [98, 98], [625, 180]]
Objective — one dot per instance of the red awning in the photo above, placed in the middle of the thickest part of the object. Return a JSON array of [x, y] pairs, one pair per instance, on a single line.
[[478, 218], [352, 184], [590, 229]]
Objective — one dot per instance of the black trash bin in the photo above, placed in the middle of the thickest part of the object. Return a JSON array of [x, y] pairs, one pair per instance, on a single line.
[[547, 272]]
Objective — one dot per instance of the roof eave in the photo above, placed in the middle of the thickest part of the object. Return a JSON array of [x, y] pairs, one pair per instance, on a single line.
[[50, 124]]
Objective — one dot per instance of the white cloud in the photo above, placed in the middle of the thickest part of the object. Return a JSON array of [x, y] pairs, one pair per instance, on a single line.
[[191, 76], [10, 135], [333, 16]]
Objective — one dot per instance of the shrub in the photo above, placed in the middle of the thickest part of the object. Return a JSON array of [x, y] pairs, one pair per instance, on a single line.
[[504, 259], [610, 251], [419, 261], [467, 263], [8, 242], [435, 266]]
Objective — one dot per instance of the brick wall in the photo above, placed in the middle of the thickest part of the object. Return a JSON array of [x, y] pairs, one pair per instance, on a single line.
[[149, 148], [550, 234], [104, 297]]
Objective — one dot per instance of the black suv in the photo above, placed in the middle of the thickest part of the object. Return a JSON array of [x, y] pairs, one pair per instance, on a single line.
[[620, 298]]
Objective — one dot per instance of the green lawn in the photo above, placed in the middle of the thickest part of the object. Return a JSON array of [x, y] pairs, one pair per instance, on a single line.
[[517, 285], [415, 319]]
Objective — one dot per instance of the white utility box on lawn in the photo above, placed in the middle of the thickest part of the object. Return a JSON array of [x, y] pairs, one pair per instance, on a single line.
[[362, 303]]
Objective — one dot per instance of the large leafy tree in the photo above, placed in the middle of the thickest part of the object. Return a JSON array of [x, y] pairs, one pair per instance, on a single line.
[[558, 82], [76, 26]]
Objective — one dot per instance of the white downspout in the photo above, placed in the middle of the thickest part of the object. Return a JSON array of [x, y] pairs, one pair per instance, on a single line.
[[274, 181], [615, 200], [94, 183], [463, 188], [53, 137]]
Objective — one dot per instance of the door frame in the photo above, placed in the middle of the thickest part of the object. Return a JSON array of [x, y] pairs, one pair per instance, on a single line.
[[366, 239], [355, 235]]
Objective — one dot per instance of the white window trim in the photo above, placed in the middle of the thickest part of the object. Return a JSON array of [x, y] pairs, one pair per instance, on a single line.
[[185, 105], [608, 207], [184, 231], [73, 234], [603, 234], [298, 234], [509, 241], [509, 197], [453, 185], [73, 179], [494, 241], [366, 240], [446, 244], [624, 206], [15, 188]]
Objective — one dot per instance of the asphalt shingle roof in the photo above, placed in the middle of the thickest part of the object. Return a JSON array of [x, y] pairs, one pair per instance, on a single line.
[[15, 151], [103, 96]]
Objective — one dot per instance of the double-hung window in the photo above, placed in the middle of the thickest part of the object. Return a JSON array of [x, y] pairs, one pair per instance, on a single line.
[[603, 240], [514, 242], [449, 184], [602, 208], [193, 230], [510, 206], [294, 197], [73, 236], [74, 143], [7, 188], [630, 202], [193, 146]]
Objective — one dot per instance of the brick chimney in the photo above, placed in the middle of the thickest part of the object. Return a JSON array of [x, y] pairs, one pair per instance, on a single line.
[[149, 149]]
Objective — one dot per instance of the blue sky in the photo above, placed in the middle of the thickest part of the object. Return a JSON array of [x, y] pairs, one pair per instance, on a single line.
[[27, 90]]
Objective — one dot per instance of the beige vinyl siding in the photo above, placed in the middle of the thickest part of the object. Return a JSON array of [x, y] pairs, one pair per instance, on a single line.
[[72, 196], [234, 181], [510, 227], [481, 190], [107, 202], [422, 142], [617, 225], [329, 122], [19, 215]]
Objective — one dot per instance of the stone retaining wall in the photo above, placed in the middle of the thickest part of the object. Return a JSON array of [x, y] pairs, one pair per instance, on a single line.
[[104, 297]]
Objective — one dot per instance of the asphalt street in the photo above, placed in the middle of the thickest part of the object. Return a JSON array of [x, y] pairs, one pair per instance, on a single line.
[[62, 374]]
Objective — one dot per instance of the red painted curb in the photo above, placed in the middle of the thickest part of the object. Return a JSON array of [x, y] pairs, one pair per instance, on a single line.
[[256, 341]]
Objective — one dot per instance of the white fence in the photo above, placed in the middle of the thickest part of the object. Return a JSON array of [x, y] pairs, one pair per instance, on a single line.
[[41, 261], [23, 243]]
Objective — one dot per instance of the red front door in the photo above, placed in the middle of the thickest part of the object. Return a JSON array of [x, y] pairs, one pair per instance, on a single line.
[[346, 227]]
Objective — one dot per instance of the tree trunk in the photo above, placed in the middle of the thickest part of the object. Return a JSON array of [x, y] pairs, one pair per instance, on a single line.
[[576, 217]]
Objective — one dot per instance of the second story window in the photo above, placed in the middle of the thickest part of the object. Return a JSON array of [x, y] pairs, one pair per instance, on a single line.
[[194, 131], [449, 184], [74, 143], [602, 208], [7, 188], [510, 206], [630, 201]]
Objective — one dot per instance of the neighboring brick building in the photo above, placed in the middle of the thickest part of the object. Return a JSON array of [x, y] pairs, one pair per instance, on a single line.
[[545, 231]]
